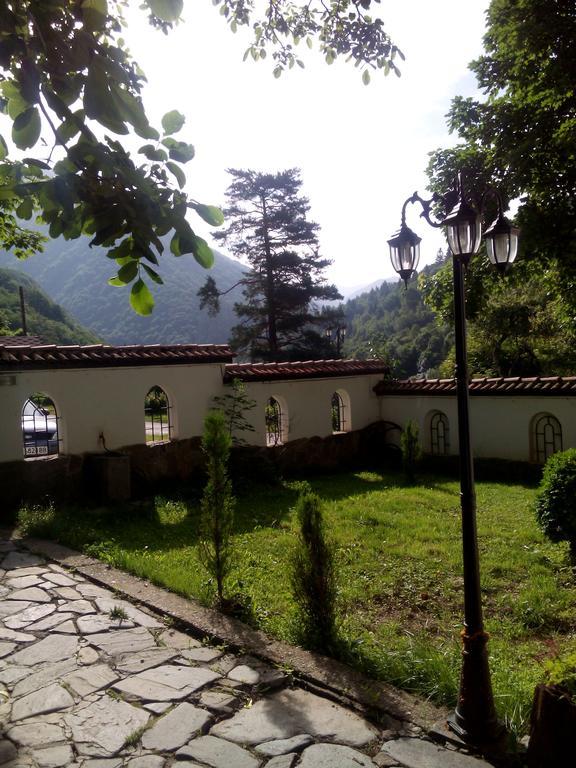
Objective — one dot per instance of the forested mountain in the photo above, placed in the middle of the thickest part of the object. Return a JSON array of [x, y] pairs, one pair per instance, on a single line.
[[395, 324], [75, 276], [44, 317]]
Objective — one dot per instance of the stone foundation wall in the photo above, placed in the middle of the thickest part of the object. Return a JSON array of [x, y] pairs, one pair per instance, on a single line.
[[140, 470]]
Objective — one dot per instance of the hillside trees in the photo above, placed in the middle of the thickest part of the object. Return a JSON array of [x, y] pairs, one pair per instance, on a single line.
[[71, 88], [268, 225], [521, 136]]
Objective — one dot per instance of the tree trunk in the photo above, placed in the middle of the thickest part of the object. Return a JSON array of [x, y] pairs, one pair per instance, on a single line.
[[270, 299]]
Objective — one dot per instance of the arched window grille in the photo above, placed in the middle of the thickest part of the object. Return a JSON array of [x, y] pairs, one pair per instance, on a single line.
[[157, 417], [274, 425], [339, 415], [439, 434], [547, 436], [40, 431]]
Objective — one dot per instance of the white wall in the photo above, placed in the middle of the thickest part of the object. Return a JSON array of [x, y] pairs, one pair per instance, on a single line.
[[108, 400], [500, 426], [309, 404], [111, 401]]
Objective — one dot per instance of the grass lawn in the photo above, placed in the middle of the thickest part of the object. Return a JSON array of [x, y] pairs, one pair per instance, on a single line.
[[399, 564]]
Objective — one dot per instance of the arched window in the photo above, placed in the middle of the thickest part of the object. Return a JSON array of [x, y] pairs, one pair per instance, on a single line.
[[341, 421], [546, 436], [439, 434], [40, 432], [157, 417], [276, 426]]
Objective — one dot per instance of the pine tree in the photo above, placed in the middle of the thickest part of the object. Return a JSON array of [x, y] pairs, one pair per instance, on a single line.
[[268, 226]]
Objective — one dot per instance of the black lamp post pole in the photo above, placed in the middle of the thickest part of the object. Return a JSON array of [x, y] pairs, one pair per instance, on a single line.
[[475, 716]]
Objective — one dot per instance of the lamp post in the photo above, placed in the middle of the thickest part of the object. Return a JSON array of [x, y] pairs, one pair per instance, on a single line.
[[474, 719], [339, 332]]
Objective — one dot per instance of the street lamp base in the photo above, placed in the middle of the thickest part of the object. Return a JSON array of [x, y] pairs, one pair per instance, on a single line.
[[494, 742]]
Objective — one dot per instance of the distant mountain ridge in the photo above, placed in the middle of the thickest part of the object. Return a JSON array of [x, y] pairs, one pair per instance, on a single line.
[[44, 318], [75, 276]]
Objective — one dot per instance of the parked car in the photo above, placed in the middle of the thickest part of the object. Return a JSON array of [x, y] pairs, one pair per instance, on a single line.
[[39, 431]]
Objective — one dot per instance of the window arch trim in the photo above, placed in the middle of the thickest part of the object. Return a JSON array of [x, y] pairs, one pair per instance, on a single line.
[[439, 434], [41, 427], [546, 436], [158, 416]]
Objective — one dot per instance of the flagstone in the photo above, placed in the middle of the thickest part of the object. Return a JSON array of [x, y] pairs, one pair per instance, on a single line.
[[35, 733], [88, 589], [17, 637], [52, 648], [6, 648], [43, 676], [176, 728], [49, 622], [67, 628], [203, 655], [62, 580], [416, 753], [20, 560], [77, 606], [87, 656], [244, 674], [121, 641], [104, 726], [291, 712], [11, 675], [284, 746], [218, 753], [166, 683], [33, 594], [335, 756], [21, 582], [53, 757], [131, 663], [96, 622], [283, 761], [86, 680], [68, 593], [10, 607], [8, 752], [106, 604], [29, 616], [50, 699], [149, 761]]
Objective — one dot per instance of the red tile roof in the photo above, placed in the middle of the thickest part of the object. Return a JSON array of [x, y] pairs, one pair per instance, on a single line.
[[18, 341], [311, 369], [558, 386], [102, 355]]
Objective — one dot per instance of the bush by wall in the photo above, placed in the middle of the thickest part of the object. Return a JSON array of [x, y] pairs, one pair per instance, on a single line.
[[556, 501]]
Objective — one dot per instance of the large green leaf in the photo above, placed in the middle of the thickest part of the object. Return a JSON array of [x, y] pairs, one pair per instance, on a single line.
[[26, 129], [153, 275], [173, 121], [94, 13], [179, 150], [167, 10], [153, 154], [128, 272], [203, 253], [141, 299], [178, 173], [210, 214], [98, 101], [4, 149]]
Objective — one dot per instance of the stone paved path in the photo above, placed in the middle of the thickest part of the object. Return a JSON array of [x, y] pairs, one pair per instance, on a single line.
[[87, 679]]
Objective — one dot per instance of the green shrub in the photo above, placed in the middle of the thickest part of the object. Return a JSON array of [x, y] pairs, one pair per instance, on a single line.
[[313, 577], [411, 452], [562, 673], [217, 506], [556, 500], [36, 520]]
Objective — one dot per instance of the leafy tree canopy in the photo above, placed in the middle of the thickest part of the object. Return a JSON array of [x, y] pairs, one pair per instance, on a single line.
[[521, 138], [70, 88]]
